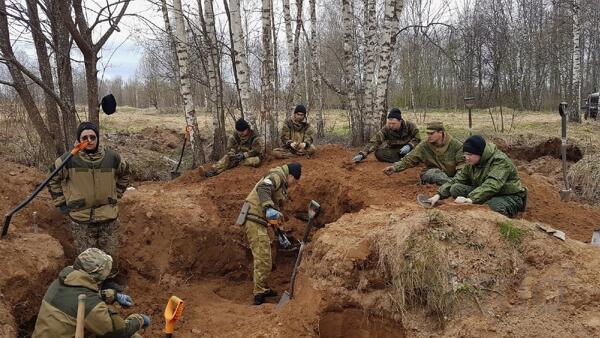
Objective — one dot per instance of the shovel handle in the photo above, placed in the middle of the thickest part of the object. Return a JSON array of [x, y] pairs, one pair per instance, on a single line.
[[79, 328]]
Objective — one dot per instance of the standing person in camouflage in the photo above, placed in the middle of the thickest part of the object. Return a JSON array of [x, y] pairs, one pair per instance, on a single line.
[[88, 189], [244, 147], [392, 142], [57, 317], [441, 154], [296, 136], [263, 204], [489, 177]]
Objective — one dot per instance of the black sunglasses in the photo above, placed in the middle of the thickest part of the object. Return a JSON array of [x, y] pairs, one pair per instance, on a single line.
[[89, 138]]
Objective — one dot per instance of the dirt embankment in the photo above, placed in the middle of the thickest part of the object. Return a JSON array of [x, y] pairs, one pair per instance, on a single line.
[[178, 238]]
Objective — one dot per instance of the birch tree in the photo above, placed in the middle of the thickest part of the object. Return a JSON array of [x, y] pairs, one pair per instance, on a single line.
[[317, 96], [241, 61], [574, 115], [266, 105], [184, 83], [370, 123], [349, 73]]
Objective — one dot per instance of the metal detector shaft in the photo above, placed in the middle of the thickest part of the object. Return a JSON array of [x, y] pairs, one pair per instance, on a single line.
[[9, 215]]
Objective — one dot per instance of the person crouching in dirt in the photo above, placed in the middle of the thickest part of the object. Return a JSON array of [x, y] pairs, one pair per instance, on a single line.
[[441, 154], [88, 189], [489, 177], [58, 312], [244, 147], [262, 204], [296, 136], [392, 142]]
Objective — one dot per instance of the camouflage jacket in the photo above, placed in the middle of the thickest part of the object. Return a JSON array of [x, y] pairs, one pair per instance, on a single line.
[[251, 145], [90, 185], [58, 313], [387, 138], [494, 175], [448, 157], [296, 132], [269, 192]]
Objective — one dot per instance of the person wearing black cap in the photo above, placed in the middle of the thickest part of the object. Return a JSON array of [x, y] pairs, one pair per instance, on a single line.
[[296, 136], [244, 147], [88, 189], [263, 204], [392, 142], [441, 154], [489, 177]]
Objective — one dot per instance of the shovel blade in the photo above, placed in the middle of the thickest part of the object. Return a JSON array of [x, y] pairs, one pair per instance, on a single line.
[[565, 195], [596, 237], [175, 174], [285, 298]]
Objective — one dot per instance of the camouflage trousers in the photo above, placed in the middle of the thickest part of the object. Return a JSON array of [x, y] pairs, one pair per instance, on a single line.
[[283, 153], [508, 205], [260, 245], [389, 155], [103, 235], [434, 176], [225, 163]]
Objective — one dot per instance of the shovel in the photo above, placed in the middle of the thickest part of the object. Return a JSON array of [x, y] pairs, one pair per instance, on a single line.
[[173, 312], [39, 188], [565, 194], [313, 210], [175, 173]]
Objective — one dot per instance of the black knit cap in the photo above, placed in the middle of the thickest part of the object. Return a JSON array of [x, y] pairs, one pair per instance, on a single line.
[[241, 125], [295, 169], [474, 145], [300, 109], [395, 113], [87, 126]]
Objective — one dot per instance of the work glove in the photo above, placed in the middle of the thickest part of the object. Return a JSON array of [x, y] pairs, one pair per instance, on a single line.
[[272, 214], [405, 150], [434, 199], [124, 300], [63, 209], [389, 170], [294, 145], [463, 200], [239, 157], [359, 157], [147, 321], [302, 145]]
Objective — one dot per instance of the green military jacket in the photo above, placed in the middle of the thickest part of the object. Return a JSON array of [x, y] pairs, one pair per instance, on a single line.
[[251, 145], [269, 192], [388, 138], [58, 313], [296, 132], [448, 157], [90, 185], [494, 175]]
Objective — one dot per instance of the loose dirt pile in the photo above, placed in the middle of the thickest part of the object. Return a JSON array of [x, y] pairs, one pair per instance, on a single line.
[[178, 238]]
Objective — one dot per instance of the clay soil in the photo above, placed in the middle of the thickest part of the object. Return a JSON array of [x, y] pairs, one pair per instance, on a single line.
[[179, 238]]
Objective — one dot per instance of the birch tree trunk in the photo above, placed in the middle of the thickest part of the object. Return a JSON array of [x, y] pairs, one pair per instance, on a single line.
[[289, 39], [184, 86], [266, 106], [574, 115], [391, 15], [317, 96], [370, 123], [350, 71], [215, 84], [241, 61], [294, 92]]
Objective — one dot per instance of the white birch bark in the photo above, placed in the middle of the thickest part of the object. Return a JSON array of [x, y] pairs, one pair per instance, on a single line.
[[241, 61], [184, 85], [370, 123], [267, 66], [391, 15], [315, 69], [296, 55], [350, 70], [289, 42], [574, 115]]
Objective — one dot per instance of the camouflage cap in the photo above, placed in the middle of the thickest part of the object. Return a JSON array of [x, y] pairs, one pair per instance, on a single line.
[[95, 262], [435, 126]]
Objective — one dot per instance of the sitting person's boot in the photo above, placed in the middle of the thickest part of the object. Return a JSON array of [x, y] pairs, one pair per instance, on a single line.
[[259, 299], [211, 173]]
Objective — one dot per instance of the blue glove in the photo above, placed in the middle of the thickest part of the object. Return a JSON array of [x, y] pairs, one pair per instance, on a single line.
[[272, 214], [124, 300], [147, 320], [63, 209], [405, 150], [358, 157]]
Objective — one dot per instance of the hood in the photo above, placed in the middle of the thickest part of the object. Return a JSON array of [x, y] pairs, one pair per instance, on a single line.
[[71, 277], [488, 152]]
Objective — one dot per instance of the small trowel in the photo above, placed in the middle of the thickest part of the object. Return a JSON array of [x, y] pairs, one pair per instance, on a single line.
[[565, 194]]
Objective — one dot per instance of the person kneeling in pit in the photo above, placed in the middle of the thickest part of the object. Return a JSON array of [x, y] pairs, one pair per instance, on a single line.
[[489, 177], [58, 313], [244, 147], [441, 154]]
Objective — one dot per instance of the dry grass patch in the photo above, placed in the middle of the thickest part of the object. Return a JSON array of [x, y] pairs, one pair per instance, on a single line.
[[585, 178]]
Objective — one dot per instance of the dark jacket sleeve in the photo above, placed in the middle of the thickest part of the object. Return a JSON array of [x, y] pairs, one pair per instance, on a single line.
[[412, 159], [462, 176]]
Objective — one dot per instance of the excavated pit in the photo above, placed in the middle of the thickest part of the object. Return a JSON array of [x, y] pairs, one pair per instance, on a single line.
[[352, 323]]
